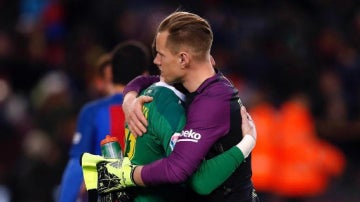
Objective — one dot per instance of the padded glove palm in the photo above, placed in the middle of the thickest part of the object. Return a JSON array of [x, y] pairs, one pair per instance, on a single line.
[[106, 175]]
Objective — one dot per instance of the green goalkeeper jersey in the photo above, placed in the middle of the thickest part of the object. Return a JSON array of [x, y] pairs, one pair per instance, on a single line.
[[166, 118]]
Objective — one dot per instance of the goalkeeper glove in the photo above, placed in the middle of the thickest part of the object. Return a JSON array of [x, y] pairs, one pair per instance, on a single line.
[[106, 175]]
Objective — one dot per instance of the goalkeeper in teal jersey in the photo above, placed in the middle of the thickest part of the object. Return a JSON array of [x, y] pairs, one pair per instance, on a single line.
[[166, 117]]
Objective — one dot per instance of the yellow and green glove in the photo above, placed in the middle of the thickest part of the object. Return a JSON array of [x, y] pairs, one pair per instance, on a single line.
[[106, 175]]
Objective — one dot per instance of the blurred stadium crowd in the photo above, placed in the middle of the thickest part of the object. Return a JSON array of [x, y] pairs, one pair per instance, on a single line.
[[296, 63]]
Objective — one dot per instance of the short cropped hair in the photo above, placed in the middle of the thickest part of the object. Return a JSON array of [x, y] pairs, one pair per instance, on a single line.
[[187, 29], [129, 59]]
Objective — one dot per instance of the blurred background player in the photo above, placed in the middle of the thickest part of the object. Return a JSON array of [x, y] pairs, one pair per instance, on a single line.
[[103, 116]]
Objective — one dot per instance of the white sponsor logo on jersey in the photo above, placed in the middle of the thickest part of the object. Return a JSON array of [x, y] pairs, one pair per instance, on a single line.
[[184, 136], [189, 136]]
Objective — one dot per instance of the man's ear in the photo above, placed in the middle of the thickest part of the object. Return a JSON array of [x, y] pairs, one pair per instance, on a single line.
[[184, 58]]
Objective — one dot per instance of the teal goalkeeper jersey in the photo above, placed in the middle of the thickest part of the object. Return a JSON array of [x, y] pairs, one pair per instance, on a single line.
[[165, 115], [166, 118]]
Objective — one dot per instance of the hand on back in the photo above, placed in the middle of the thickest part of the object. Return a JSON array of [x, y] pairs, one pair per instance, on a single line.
[[134, 116]]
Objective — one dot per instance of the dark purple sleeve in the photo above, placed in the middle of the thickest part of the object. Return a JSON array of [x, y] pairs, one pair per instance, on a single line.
[[208, 119], [139, 83]]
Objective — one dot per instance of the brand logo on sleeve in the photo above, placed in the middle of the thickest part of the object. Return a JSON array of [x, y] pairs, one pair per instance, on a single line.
[[184, 136], [189, 136]]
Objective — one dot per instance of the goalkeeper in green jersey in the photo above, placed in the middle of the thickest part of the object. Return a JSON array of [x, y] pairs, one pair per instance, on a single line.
[[166, 117]]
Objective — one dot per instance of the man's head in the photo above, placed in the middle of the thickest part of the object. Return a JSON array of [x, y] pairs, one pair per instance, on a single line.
[[187, 31], [129, 59], [182, 39]]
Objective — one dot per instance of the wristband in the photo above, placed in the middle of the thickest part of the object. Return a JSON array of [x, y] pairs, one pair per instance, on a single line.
[[132, 175], [246, 145]]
